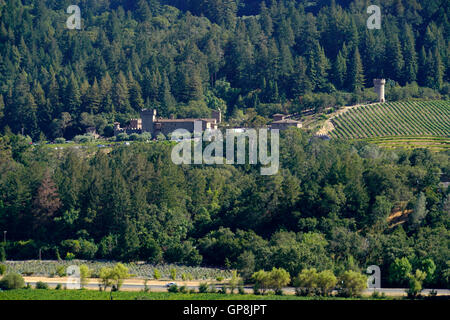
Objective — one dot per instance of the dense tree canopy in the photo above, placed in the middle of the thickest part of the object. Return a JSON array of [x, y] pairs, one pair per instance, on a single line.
[[327, 208], [183, 56]]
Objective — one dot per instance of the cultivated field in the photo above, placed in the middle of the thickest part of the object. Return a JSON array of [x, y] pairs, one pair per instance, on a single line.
[[409, 124]]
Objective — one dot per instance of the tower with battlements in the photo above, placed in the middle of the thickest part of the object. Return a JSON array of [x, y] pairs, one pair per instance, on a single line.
[[379, 88]]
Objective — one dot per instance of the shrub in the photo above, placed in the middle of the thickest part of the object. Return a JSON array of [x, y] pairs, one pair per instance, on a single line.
[[203, 287], [220, 279], [58, 286], [156, 274], [262, 281], [415, 283], [326, 281], [278, 278], [182, 289], [85, 273], [61, 271], [173, 273], [60, 140], [41, 285], [352, 283], [134, 137], [2, 269], [122, 137], [173, 288], [12, 281]]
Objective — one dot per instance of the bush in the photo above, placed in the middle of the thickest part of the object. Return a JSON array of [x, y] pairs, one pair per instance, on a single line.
[[352, 283], [41, 285], [12, 281], [203, 287], [173, 273], [58, 286], [156, 274], [122, 137], [182, 289], [60, 140], [173, 288], [85, 273], [61, 271], [2, 269]]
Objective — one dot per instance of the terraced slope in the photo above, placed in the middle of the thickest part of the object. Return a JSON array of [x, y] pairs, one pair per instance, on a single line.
[[409, 124]]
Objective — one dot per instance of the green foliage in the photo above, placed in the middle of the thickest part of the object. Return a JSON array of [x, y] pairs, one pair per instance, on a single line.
[[399, 271], [70, 256], [203, 287], [173, 273], [2, 269], [352, 283], [85, 273], [41, 285], [415, 283], [2, 254], [173, 289], [114, 276], [156, 274], [61, 271], [310, 282], [12, 281]]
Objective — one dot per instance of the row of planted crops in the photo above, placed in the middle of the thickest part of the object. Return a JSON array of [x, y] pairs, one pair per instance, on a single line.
[[408, 118]]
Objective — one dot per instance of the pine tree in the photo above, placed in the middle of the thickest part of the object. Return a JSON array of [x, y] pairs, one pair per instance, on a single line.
[[409, 53], [395, 59], [73, 96], [106, 94], [356, 72], [166, 97], [266, 20], [121, 94], [143, 11], [136, 101], [437, 70], [423, 67], [339, 73], [93, 98]]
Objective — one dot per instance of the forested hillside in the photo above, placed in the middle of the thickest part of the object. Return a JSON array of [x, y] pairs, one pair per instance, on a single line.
[[329, 207], [248, 58]]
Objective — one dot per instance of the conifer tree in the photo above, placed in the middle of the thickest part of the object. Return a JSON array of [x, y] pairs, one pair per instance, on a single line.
[[356, 72]]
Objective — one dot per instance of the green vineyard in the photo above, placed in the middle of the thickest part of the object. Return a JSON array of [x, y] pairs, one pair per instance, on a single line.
[[409, 124]]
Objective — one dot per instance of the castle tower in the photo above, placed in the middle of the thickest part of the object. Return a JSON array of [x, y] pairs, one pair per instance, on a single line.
[[379, 88], [216, 114], [148, 117]]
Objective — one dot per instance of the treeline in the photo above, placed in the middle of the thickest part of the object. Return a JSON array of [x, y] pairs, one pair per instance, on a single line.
[[327, 208], [234, 55]]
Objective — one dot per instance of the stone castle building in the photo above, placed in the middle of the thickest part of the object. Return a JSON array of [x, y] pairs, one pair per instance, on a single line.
[[150, 123]]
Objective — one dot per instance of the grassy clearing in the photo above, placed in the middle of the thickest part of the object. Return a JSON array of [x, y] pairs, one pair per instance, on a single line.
[[48, 294]]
